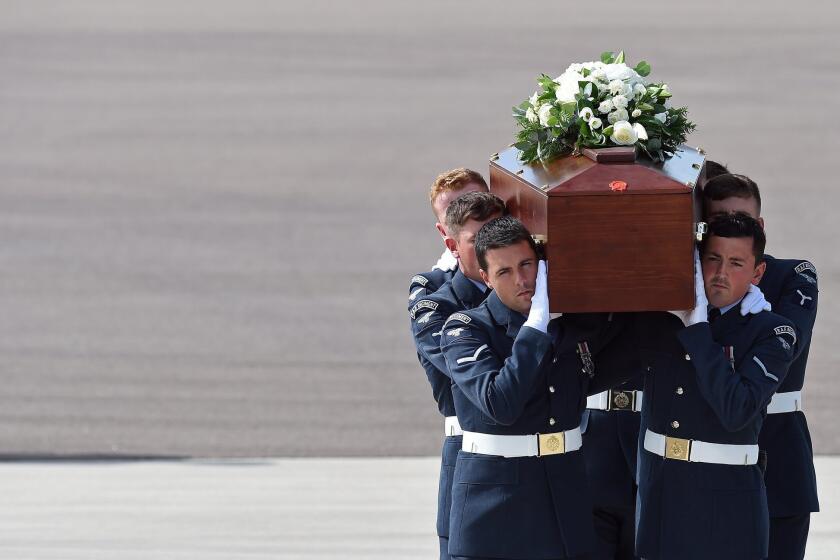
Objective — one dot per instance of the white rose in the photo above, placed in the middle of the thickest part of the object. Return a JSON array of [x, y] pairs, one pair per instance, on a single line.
[[586, 114], [640, 131], [624, 134], [531, 115], [598, 76], [619, 102], [637, 113], [595, 123], [616, 87], [605, 106], [568, 88], [544, 113], [620, 71], [618, 115]]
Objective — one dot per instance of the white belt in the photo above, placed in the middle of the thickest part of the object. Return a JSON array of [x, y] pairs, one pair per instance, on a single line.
[[700, 451], [616, 400], [785, 402], [451, 427], [534, 445]]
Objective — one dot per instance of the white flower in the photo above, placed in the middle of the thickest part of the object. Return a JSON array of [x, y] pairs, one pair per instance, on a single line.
[[595, 123], [606, 106], [616, 87], [586, 114], [531, 115], [598, 76], [568, 86], [620, 71], [533, 99], [640, 131], [637, 113], [543, 113], [618, 115], [639, 89], [619, 102], [624, 134]]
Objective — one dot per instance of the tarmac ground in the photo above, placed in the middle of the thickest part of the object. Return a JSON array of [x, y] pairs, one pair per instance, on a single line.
[[307, 509]]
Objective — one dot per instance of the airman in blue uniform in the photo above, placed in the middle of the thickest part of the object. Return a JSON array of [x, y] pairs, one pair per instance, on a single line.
[[709, 376], [790, 285], [446, 188], [520, 483]]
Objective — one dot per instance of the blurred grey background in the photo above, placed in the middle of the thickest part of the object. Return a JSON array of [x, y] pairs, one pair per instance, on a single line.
[[210, 210]]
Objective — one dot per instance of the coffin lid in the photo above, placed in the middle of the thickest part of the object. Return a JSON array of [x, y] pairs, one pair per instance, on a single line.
[[579, 175]]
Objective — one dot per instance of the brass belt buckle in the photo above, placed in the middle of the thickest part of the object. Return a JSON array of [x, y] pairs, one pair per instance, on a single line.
[[677, 448], [622, 400], [551, 444]]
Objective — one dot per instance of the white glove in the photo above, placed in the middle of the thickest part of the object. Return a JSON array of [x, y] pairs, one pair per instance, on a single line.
[[700, 313], [754, 302], [446, 262], [538, 316]]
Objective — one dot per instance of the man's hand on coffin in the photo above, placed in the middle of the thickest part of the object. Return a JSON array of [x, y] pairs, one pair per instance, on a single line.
[[538, 316], [700, 313], [446, 262]]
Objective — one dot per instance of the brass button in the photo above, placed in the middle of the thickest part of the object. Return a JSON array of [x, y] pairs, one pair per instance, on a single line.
[[687, 357], [675, 424], [551, 388], [551, 421], [680, 390]]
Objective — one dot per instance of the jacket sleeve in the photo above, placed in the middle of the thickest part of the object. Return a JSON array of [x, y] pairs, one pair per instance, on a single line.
[[737, 397], [427, 327], [497, 386], [798, 303]]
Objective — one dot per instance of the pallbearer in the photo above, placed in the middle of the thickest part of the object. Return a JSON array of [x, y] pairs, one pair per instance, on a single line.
[[790, 285], [447, 187], [520, 485], [709, 375]]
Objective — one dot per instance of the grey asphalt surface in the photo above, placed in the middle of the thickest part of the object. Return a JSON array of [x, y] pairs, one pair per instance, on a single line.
[[210, 210], [307, 509]]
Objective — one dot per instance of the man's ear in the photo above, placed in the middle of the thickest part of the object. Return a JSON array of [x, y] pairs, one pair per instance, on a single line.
[[759, 272], [441, 231], [485, 277], [761, 221], [451, 245]]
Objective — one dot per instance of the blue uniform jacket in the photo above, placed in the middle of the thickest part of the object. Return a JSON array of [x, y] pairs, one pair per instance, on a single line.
[[428, 315], [791, 287], [693, 390], [421, 286], [515, 380]]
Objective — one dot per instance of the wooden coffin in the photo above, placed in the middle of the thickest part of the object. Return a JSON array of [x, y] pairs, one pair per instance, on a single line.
[[609, 249]]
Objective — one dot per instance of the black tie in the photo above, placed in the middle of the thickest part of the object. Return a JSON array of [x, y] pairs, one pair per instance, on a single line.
[[713, 314]]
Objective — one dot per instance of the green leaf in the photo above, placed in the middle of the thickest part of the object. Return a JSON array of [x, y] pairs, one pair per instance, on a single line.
[[642, 68], [619, 57], [644, 106], [607, 57], [664, 94], [654, 144], [608, 131], [568, 108]]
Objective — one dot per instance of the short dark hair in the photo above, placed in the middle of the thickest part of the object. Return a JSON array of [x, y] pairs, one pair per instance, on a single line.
[[729, 185], [714, 168], [474, 205], [738, 224], [499, 233]]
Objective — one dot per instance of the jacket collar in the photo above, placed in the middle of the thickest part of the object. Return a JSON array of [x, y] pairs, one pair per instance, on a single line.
[[466, 291], [504, 315], [729, 321]]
